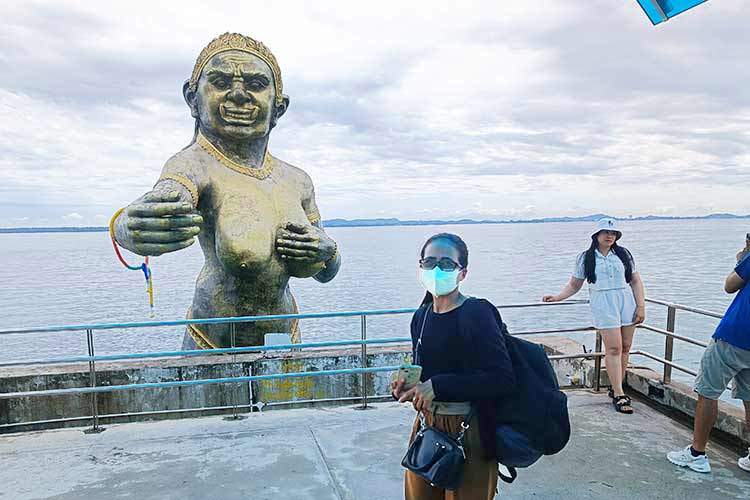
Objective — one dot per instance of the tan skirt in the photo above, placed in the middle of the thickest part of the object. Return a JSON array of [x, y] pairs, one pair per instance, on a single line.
[[480, 476]]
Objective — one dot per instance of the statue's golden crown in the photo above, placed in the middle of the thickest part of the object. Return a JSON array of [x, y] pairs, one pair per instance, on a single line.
[[236, 41]]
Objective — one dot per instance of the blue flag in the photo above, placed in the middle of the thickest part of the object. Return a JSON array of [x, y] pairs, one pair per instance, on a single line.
[[662, 10]]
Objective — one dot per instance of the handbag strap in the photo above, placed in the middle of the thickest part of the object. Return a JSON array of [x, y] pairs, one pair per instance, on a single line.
[[466, 421], [421, 332], [472, 412]]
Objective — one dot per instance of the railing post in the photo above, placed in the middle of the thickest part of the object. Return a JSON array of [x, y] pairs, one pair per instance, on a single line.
[[669, 344], [597, 362], [363, 362], [236, 395], [95, 429]]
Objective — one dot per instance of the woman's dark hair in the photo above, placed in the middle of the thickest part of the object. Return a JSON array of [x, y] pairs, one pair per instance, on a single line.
[[458, 244], [589, 260]]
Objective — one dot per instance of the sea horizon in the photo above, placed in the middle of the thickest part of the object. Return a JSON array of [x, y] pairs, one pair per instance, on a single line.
[[394, 221]]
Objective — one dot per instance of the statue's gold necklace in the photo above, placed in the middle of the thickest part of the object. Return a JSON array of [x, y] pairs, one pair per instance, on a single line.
[[259, 173]]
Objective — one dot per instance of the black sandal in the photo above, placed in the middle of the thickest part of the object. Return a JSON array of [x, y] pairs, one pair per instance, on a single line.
[[620, 402], [611, 393]]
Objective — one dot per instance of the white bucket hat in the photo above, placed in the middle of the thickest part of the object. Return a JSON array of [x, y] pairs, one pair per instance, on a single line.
[[607, 224]]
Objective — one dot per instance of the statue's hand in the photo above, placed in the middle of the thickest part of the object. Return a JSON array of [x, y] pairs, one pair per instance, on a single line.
[[304, 243], [158, 223]]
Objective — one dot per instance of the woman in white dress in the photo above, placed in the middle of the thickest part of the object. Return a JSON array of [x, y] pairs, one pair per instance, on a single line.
[[616, 298]]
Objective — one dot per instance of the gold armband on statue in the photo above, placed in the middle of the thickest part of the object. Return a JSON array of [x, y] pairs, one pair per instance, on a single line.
[[184, 182], [313, 217]]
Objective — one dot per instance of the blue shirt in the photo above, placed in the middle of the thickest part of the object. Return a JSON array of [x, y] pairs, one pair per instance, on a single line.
[[610, 271], [735, 326]]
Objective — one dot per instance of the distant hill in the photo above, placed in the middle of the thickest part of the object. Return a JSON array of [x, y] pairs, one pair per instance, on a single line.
[[446, 222], [399, 222], [82, 229]]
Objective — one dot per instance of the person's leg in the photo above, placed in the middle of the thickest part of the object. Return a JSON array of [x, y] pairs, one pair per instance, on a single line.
[[706, 411], [720, 363], [716, 370], [628, 332], [626, 303], [480, 476], [694, 456], [416, 488], [741, 390], [741, 387], [744, 462], [612, 338]]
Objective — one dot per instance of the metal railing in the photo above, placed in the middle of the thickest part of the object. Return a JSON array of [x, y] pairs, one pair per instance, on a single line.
[[670, 336], [93, 388]]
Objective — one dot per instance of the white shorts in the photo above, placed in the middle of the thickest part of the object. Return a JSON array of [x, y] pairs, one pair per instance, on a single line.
[[612, 308]]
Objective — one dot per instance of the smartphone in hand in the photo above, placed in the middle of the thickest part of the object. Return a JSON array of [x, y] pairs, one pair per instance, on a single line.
[[409, 373]]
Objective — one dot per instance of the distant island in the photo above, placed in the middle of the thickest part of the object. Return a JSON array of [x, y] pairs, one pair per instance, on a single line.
[[399, 222]]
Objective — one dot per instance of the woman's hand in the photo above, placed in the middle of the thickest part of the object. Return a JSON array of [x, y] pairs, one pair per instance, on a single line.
[[397, 388], [550, 298], [640, 315], [304, 243], [421, 395]]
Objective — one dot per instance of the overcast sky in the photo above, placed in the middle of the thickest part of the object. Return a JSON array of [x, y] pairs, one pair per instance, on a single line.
[[398, 109]]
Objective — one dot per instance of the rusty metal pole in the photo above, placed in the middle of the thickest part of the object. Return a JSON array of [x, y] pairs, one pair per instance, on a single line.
[[236, 391], [597, 362], [669, 344], [95, 429], [363, 363]]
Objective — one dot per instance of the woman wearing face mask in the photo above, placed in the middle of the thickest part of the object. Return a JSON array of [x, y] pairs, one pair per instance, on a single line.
[[459, 345], [617, 301]]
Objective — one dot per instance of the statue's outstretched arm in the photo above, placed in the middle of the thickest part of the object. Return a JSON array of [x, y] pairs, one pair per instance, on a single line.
[[164, 219]]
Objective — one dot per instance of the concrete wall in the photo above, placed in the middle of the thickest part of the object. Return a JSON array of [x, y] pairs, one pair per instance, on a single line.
[[35, 409], [265, 394], [30, 409]]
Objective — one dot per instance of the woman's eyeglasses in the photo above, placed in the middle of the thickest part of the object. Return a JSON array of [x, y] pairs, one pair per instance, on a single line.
[[445, 264]]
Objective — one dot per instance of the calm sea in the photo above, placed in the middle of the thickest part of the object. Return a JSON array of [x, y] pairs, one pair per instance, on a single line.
[[74, 278]]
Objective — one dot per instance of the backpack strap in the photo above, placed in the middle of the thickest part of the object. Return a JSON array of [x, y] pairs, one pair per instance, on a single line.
[[500, 323], [508, 479], [462, 320], [504, 331]]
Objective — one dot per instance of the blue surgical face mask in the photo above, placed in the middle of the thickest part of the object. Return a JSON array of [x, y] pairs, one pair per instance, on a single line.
[[439, 282]]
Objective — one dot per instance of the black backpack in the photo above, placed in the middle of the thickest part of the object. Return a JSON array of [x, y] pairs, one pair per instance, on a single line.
[[533, 420]]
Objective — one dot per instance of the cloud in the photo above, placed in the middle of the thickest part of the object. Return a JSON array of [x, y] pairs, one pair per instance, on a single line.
[[411, 108], [73, 216]]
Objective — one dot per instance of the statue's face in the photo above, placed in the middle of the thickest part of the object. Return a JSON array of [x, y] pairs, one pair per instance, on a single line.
[[236, 96]]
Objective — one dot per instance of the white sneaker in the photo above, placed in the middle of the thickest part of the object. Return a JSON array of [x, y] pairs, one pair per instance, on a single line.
[[744, 462], [684, 458]]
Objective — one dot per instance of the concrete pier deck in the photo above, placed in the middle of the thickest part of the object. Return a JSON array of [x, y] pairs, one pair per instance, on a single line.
[[340, 453]]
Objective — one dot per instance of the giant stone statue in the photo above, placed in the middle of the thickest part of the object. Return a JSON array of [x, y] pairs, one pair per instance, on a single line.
[[254, 215]]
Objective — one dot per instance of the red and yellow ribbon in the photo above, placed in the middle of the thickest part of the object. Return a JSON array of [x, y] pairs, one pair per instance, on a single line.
[[143, 267]]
